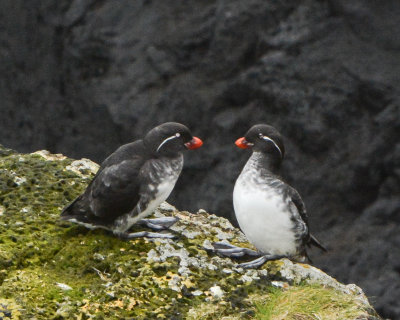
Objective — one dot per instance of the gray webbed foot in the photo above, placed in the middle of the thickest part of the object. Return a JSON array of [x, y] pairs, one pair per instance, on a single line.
[[232, 251], [145, 234], [254, 264], [158, 223]]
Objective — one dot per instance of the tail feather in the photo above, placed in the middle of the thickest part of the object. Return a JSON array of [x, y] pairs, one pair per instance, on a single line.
[[79, 212], [315, 242], [74, 210]]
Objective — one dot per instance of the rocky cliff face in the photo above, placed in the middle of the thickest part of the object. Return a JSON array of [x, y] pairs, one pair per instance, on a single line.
[[325, 73], [54, 270]]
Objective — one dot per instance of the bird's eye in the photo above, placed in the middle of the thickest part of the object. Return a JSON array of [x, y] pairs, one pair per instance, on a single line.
[[177, 134]]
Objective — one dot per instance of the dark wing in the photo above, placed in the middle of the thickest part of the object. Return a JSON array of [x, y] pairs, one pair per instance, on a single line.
[[299, 214], [298, 202], [114, 190], [301, 208], [124, 152]]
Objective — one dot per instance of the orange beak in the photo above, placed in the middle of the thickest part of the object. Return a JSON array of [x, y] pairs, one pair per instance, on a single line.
[[242, 143], [194, 143]]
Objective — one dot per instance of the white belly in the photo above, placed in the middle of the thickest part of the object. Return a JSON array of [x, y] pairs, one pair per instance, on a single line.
[[264, 218], [163, 191], [170, 174]]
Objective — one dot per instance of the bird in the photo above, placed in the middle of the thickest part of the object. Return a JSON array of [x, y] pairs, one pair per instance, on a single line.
[[269, 211], [132, 182]]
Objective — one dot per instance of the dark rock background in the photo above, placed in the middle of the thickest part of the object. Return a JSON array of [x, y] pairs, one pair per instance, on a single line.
[[83, 77]]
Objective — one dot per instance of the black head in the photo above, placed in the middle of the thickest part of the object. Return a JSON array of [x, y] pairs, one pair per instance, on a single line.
[[263, 138], [170, 138]]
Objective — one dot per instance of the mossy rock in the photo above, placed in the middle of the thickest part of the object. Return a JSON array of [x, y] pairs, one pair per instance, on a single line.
[[55, 270]]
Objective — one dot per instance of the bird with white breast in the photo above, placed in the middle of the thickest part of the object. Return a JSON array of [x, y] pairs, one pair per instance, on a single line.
[[270, 212]]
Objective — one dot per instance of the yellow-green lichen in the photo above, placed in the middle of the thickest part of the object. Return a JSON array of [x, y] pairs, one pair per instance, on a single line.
[[9, 309], [308, 303], [55, 270]]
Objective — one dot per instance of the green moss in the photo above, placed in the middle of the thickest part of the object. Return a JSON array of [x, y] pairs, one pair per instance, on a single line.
[[9, 309], [308, 302], [58, 270]]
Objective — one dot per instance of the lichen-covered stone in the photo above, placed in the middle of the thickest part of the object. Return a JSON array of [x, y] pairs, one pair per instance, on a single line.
[[55, 270]]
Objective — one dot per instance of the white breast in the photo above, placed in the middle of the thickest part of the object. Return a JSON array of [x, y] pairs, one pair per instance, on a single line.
[[164, 189], [170, 171], [263, 216]]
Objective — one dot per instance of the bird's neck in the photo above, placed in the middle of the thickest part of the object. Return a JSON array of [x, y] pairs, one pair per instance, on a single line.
[[264, 162], [169, 155]]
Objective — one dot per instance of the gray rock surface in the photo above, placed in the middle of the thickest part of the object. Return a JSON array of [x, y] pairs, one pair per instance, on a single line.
[[82, 77], [55, 270]]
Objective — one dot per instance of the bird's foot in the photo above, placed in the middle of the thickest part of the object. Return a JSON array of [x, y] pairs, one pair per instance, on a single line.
[[231, 251], [158, 223], [145, 234], [254, 264]]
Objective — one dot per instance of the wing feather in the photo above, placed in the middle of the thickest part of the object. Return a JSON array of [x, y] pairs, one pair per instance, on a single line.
[[301, 208], [115, 191]]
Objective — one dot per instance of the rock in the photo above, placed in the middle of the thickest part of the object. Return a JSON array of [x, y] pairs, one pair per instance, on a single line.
[[217, 292], [52, 269], [63, 286], [83, 166], [49, 156]]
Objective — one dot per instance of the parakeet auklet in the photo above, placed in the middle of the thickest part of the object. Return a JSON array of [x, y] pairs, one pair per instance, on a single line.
[[133, 181], [270, 213]]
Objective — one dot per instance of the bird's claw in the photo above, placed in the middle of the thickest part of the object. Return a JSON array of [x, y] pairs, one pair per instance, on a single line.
[[229, 250], [254, 264], [145, 234], [158, 223]]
